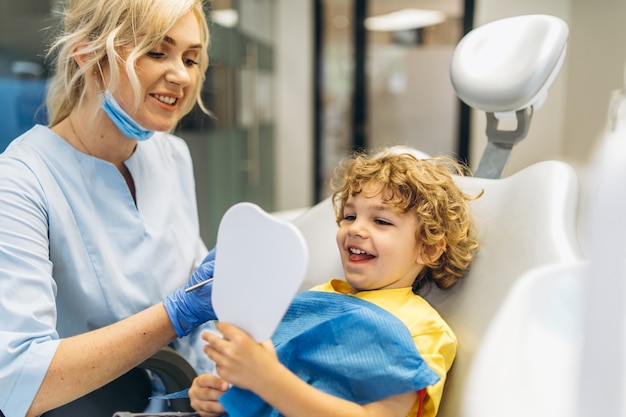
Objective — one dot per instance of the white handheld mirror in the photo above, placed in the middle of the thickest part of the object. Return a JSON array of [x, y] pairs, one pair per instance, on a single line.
[[260, 264]]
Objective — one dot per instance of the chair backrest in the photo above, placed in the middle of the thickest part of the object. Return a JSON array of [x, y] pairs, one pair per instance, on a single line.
[[559, 335], [525, 220], [532, 349]]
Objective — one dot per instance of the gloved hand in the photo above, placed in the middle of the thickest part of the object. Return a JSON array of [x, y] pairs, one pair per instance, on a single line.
[[187, 310]]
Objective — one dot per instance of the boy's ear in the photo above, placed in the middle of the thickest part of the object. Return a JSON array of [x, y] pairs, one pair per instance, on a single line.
[[431, 253]]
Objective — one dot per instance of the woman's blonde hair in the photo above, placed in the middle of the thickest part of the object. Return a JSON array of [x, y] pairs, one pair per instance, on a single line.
[[426, 188], [102, 29]]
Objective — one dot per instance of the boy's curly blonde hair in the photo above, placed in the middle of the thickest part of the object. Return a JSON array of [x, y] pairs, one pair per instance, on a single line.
[[425, 187]]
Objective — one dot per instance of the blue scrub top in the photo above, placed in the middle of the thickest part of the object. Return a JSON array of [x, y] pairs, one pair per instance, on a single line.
[[77, 254]]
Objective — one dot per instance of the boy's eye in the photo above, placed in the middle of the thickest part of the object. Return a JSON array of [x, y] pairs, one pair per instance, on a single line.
[[349, 216], [382, 222]]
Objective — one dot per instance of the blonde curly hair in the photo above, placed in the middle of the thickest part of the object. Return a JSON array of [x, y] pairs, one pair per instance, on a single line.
[[426, 188]]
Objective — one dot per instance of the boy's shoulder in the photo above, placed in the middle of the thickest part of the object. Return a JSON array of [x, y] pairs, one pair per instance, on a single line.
[[414, 311]]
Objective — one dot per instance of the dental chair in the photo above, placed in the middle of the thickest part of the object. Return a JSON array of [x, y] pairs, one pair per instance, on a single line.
[[524, 221], [556, 347]]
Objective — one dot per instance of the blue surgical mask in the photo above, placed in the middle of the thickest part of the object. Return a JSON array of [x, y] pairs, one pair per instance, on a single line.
[[126, 124]]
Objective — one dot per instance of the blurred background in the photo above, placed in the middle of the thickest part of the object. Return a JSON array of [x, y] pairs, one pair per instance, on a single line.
[[296, 85]]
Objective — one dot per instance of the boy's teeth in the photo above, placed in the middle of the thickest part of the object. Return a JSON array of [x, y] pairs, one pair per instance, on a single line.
[[357, 251]]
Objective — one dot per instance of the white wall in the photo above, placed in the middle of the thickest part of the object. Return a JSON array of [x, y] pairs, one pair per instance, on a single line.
[[294, 95], [596, 68]]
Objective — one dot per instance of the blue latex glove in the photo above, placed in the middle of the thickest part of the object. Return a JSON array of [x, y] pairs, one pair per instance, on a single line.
[[188, 310]]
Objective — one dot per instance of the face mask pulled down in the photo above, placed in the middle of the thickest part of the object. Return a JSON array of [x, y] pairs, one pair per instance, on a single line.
[[124, 122]]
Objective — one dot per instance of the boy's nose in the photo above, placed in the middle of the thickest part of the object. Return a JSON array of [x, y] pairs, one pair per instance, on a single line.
[[357, 228]]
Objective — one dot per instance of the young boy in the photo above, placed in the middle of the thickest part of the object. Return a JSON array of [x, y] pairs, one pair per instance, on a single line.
[[403, 224]]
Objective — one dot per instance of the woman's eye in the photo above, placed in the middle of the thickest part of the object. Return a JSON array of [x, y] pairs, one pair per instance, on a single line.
[[190, 62], [153, 54]]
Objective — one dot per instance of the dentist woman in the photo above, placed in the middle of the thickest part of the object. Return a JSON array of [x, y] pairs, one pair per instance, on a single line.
[[99, 230]]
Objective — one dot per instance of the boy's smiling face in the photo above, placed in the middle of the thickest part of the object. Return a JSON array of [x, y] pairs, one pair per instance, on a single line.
[[378, 245]]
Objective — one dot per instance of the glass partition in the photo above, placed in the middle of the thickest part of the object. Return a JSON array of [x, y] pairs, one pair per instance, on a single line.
[[23, 74], [383, 78]]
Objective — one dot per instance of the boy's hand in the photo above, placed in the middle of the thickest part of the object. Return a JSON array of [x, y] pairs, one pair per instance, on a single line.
[[238, 358], [204, 395]]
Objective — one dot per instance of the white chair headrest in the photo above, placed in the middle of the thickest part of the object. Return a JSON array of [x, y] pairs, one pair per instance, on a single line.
[[508, 65]]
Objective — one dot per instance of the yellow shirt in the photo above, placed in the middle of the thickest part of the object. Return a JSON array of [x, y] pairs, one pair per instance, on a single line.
[[433, 338]]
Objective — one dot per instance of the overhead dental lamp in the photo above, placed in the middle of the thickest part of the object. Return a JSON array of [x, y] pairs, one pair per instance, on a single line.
[[505, 68]]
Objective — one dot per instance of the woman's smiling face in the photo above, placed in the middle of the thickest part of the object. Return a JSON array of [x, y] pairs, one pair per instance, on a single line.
[[168, 75], [378, 245]]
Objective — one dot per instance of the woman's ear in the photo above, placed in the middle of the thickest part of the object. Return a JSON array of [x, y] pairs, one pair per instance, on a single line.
[[80, 58], [85, 58]]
